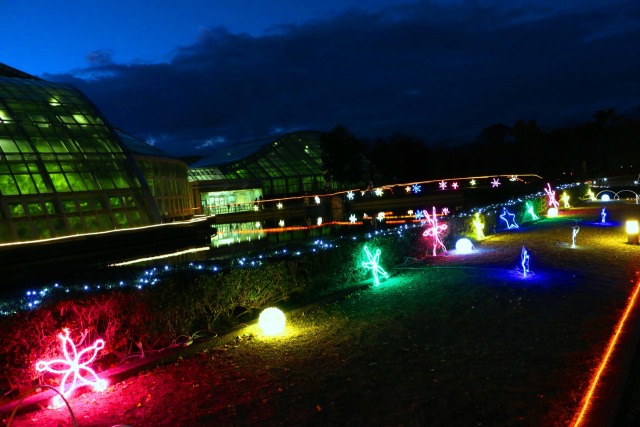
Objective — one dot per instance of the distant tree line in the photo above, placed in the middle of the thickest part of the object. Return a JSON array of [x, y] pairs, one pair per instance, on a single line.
[[606, 145]]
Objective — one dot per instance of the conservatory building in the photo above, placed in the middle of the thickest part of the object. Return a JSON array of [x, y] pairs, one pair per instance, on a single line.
[[235, 178], [64, 170]]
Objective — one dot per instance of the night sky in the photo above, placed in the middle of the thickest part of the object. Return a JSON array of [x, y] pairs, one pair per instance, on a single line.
[[187, 75]]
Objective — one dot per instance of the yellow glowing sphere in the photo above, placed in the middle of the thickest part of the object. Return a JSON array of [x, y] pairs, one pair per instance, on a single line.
[[552, 212], [632, 227], [272, 321]]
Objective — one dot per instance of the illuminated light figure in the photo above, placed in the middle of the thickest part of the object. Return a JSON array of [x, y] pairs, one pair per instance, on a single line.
[[281, 223], [352, 219], [524, 261], [75, 365], [380, 216], [410, 212], [416, 188], [509, 219], [574, 233], [565, 199], [631, 228], [272, 321], [443, 185], [530, 211], [319, 220], [373, 264], [464, 246], [379, 192], [590, 195], [279, 205], [350, 195], [455, 185], [551, 197], [479, 226], [317, 200], [495, 183], [445, 211], [552, 212], [603, 215], [434, 230]]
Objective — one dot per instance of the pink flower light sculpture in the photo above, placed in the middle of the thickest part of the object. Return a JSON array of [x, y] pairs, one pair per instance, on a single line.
[[74, 368], [434, 230]]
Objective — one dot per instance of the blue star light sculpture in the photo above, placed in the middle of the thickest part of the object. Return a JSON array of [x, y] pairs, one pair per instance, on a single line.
[[509, 219]]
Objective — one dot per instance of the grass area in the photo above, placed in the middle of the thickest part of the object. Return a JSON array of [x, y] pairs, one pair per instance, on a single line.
[[450, 340]]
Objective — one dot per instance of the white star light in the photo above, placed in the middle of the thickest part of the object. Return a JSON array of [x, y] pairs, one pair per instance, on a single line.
[[379, 191], [352, 219], [443, 185], [350, 195]]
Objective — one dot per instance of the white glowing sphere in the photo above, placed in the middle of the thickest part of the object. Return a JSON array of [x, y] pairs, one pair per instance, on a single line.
[[272, 321], [552, 212], [464, 246], [605, 198]]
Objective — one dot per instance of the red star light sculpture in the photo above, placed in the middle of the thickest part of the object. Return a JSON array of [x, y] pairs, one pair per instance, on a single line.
[[74, 368], [434, 230]]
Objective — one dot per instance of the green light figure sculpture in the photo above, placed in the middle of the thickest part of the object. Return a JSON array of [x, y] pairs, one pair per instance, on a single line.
[[479, 226], [530, 211], [374, 265]]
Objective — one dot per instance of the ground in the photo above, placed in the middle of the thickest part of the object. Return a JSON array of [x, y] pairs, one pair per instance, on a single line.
[[450, 340]]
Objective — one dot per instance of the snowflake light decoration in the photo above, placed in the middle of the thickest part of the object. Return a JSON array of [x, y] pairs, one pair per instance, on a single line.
[[434, 230], [317, 200], [509, 219], [380, 216], [455, 185], [350, 195], [420, 215], [416, 188], [74, 368], [352, 219], [373, 264], [551, 197], [378, 192], [445, 211], [281, 223], [495, 183], [443, 185]]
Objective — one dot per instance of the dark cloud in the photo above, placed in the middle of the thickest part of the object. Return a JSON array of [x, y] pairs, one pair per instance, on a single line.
[[99, 58], [430, 70]]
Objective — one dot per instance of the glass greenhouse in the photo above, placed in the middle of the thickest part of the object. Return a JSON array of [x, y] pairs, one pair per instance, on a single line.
[[232, 178], [63, 169]]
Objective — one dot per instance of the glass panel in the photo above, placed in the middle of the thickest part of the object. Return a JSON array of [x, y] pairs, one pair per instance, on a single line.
[[59, 182]]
